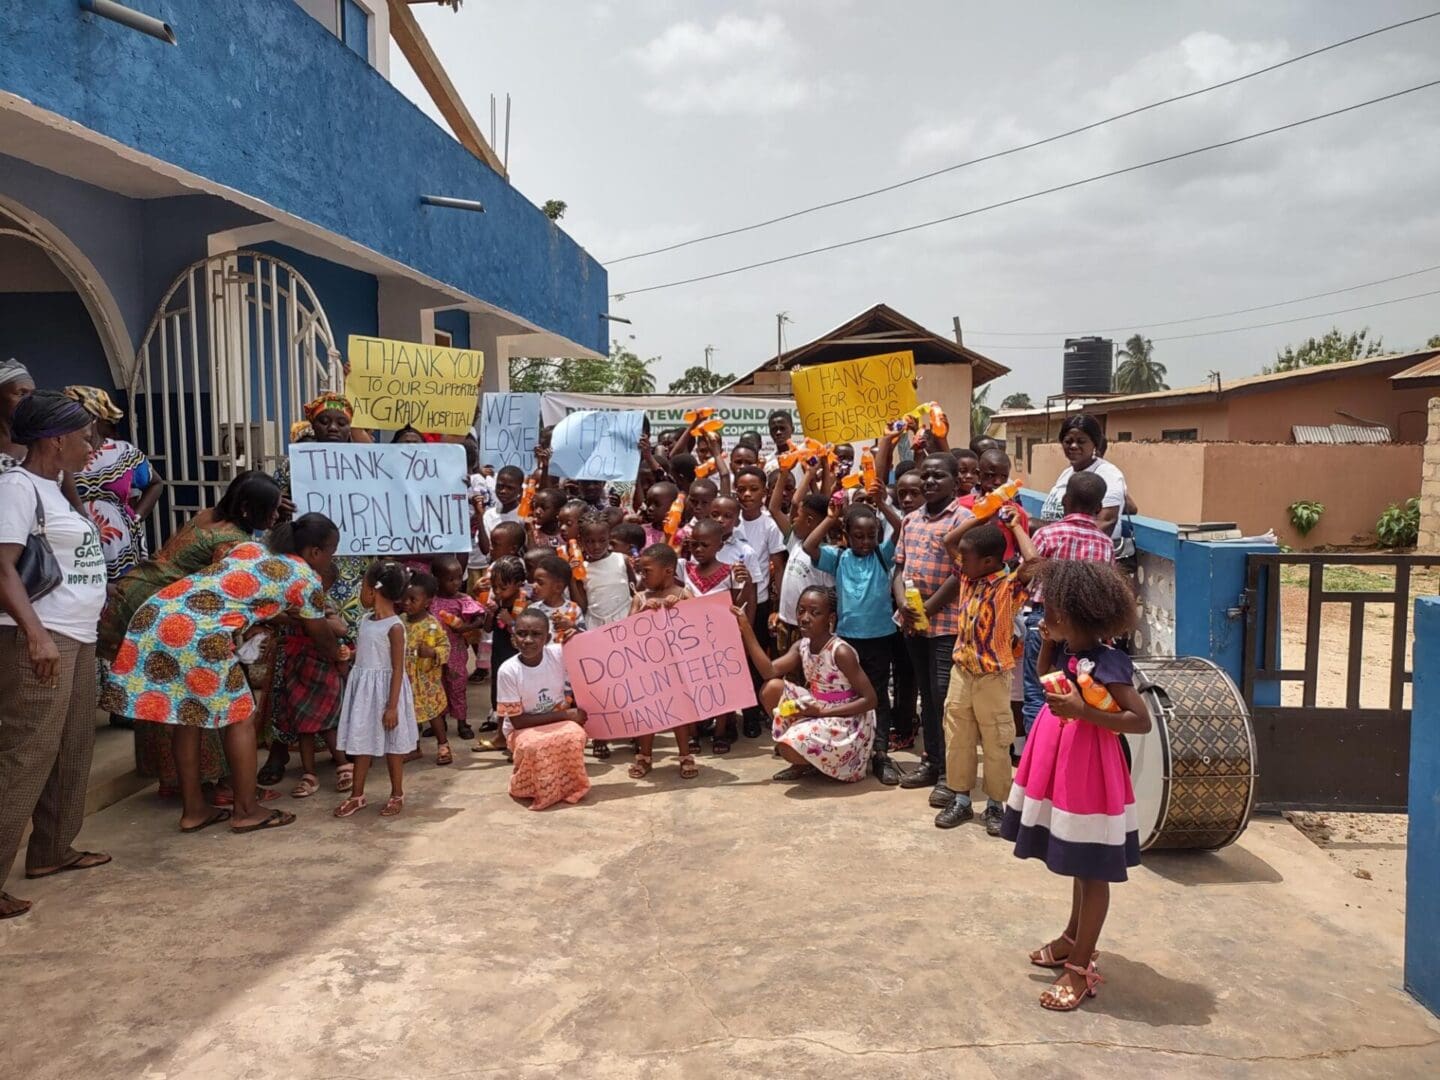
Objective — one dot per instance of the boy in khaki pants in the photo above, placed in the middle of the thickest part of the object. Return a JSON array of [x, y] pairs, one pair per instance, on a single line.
[[977, 708]]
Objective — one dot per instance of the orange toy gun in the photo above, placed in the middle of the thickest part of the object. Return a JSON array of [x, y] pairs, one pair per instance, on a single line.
[[801, 452], [450, 619], [527, 499], [705, 468], [703, 422], [987, 505], [577, 561], [672, 519]]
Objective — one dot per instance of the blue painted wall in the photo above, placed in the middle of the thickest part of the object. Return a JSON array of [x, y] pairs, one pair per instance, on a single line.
[[457, 324], [351, 298], [1422, 862], [259, 97], [52, 334]]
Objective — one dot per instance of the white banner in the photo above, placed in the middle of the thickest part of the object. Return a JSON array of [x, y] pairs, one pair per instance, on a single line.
[[740, 412]]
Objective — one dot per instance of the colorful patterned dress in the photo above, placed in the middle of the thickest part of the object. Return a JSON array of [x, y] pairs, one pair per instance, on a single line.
[[838, 746], [198, 544], [425, 671], [115, 471], [445, 609], [1071, 803], [177, 664]]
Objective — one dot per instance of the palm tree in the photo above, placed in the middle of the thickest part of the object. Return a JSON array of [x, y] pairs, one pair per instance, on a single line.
[[631, 374], [980, 411], [1139, 373]]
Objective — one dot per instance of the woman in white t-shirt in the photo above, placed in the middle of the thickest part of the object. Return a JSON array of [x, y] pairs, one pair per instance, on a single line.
[[1084, 443], [47, 646]]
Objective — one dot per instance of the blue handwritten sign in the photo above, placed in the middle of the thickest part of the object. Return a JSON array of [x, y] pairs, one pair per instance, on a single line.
[[597, 444], [386, 498], [509, 430]]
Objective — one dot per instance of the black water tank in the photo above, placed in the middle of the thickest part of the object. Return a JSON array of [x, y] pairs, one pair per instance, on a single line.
[[1089, 366]]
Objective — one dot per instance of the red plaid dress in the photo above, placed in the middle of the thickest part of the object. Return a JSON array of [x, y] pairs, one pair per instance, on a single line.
[[1075, 537]]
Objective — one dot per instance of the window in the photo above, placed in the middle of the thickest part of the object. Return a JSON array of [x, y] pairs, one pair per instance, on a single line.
[[1188, 434], [1122, 436], [444, 339], [355, 28]]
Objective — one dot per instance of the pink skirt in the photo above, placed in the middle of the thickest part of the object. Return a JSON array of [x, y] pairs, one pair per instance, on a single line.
[[1071, 803], [549, 764]]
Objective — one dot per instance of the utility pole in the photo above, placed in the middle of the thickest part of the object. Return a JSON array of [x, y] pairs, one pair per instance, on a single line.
[[959, 338], [780, 320], [709, 351]]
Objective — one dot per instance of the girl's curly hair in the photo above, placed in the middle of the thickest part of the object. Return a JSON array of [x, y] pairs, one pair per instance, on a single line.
[[1093, 597]]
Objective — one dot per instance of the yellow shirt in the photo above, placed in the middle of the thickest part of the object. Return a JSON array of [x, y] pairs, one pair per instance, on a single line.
[[425, 672]]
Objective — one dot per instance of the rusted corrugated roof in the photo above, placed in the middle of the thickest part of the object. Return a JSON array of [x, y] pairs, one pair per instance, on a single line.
[[1341, 433]]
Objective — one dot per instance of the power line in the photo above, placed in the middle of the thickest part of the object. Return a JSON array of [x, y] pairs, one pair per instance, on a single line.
[[1017, 149], [1201, 318], [1022, 198], [1238, 329]]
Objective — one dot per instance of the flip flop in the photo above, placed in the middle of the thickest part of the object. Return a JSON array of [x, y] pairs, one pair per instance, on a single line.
[[277, 819], [214, 819], [73, 864], [272, 772], [25, 907]]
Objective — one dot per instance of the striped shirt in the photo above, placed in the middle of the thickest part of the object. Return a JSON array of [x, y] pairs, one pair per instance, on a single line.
[[986, 643]]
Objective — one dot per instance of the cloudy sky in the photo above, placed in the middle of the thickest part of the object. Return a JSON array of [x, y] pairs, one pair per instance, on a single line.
[[660, 121]]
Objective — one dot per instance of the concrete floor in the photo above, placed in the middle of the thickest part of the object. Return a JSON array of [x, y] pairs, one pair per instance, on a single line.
[[725, 927]]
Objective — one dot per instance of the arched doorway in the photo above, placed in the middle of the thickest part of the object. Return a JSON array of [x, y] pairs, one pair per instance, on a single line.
[[238, 344]]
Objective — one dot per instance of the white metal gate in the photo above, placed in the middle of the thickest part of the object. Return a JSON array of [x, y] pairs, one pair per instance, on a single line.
[[235, 349]]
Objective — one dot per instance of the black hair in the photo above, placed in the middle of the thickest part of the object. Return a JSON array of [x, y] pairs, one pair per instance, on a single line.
[[664, 554], [550, 495], [960, 453], [702, 484], [995, 453], [826, 593], [593, 518], [250, 501], [535, 613], [425, 582], [948, 460], [986, 540], [751, 470], [508, 527], [781, 414], [556, 567], [408, 429], [860, 512], [577, 504], [509, 570], [664, 484], [816, 503], [629, 533], [308, 530], [980, 443], [1089, 425], [672, 433], [682, 467], [727, 498], [536, 553], [1093, 597], [387, 578], [752, 439], [906, 466], [511, 472], [707, 525], [1085, 493], [446, 559]]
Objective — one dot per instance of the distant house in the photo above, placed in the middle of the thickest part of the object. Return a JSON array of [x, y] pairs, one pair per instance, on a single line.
[[947, 372], [1348, 435]]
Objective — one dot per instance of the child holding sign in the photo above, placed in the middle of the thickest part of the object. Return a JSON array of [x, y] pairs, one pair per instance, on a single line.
[[543, 730], [657, 567]]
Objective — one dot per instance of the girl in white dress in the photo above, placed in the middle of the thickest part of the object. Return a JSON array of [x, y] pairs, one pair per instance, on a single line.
[[378, 714]]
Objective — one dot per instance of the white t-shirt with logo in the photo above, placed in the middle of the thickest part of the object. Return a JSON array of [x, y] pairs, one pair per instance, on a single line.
[[765, 539], [800, 574], [539, 689], [73, 609]]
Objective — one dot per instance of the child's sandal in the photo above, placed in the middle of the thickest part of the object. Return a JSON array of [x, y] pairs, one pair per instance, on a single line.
[[1062, 998], [688, 769], [309, 784], [601, 749], [344, 777], [641, 768], [351, 806], [1045, 955], [443, 756], [393, 806]]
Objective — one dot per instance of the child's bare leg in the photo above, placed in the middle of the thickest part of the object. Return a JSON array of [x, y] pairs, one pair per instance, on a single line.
[[395, 766], [1094, 898], [362, 766], [688, 769], [771, 693], [644, 755], [332, 744], [792, 755], [307, 754], [1059, 950], [439, 729]]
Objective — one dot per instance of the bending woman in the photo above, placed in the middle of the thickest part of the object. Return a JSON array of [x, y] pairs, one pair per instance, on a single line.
[[177, 665]]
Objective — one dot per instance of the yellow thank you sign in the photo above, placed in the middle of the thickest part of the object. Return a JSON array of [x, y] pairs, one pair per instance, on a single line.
[[431, 388], [854, 399]]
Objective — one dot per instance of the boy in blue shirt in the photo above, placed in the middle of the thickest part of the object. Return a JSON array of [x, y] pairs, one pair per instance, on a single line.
[[866, 617]]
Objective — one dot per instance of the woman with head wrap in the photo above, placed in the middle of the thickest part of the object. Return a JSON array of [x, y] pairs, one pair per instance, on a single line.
[[109, 483], [308, 687], [47, 646], [15, 384]]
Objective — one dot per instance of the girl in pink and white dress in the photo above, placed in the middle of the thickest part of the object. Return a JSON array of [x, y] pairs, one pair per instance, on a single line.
[[1071, 803]]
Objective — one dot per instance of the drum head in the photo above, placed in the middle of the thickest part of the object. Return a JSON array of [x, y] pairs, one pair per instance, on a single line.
[[1149, 766]]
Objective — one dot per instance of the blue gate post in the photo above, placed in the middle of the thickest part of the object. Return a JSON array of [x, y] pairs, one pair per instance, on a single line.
[[1422, 858], [1210, 581]]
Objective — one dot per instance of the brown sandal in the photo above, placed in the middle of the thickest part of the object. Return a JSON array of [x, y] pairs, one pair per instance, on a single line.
[[393, 806], [22, 907], [443, 756], [82, 861], [688, 769], [641, 768]]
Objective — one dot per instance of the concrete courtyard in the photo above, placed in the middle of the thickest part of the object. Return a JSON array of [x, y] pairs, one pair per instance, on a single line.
[[723, 927]]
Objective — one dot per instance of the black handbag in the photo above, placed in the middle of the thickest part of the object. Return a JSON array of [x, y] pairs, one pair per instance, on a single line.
[[37, 566]]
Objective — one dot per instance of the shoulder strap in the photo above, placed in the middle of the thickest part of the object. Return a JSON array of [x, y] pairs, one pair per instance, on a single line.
[[39, 508]]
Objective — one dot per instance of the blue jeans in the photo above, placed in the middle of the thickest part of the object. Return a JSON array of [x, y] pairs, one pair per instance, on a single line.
[[1034, 694]]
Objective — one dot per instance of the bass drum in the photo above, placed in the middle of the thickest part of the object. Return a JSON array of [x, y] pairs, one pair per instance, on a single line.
[[1194, 772]]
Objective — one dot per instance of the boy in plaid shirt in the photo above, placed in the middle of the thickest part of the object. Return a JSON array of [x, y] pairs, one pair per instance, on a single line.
[[977, 705]]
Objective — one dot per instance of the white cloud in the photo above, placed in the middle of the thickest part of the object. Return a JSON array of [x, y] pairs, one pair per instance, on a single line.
[[737, 66]]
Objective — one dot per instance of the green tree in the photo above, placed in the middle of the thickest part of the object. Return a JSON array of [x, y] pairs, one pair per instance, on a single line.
[[980, 411], [700, 380], [1138, 372], [622, 372], [1333, 348], [1434, 342], [1017, 401], [554, 209], [631, 375]]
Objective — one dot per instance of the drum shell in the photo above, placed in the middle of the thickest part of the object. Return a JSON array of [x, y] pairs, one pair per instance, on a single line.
[[1207, 749]]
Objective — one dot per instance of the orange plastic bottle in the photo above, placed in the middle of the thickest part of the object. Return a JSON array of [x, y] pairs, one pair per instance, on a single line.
[[577, 561], [1095, 694], [987, 505], [939, 422], [527, 499], [672, 519]]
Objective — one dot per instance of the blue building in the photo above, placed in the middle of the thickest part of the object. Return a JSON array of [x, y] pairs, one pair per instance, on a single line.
[[199, 226]]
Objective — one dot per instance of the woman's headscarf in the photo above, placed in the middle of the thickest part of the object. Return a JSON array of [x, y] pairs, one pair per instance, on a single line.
[[329, 402], [14, 371], [301, 429], [47, 414], [96, 402]]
